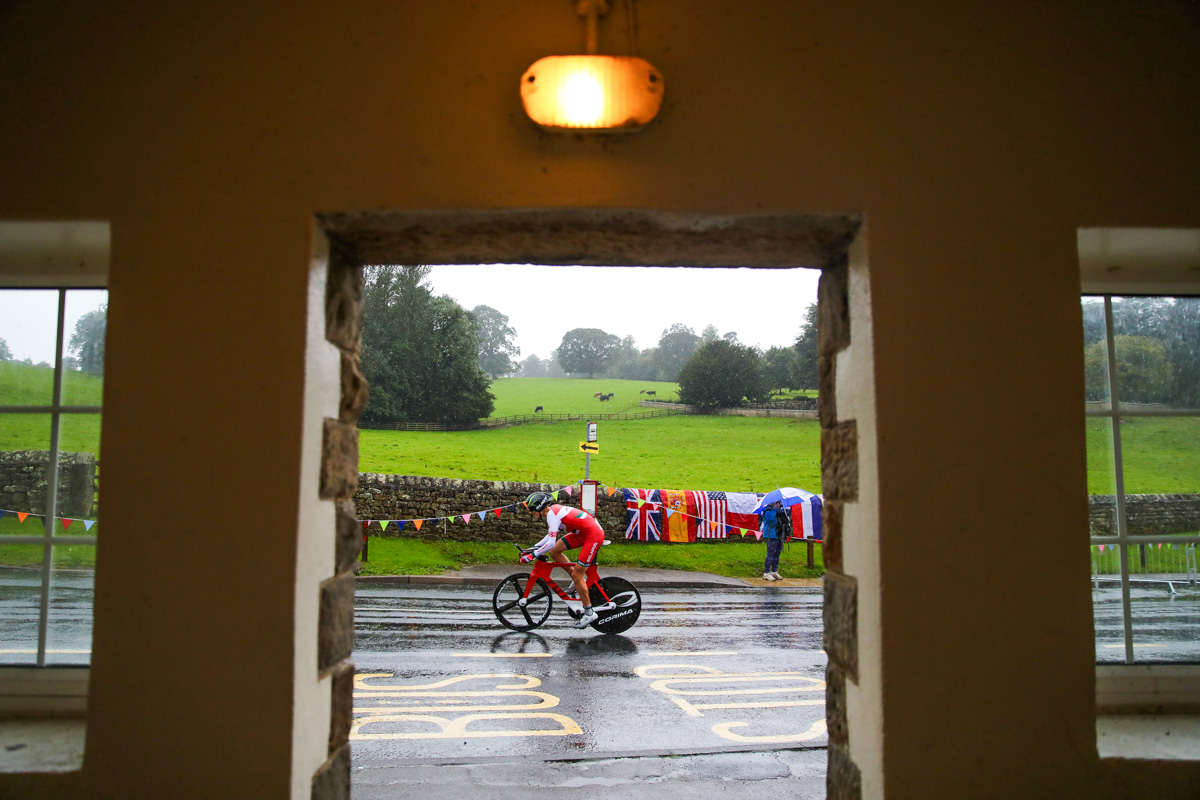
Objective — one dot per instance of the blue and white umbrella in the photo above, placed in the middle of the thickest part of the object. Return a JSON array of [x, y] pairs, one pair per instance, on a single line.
[[788, 496]]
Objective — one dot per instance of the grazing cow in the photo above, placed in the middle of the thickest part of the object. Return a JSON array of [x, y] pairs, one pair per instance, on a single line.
[[539, 408], [652, 393], [643, 391], [597, 394], [604, 397]]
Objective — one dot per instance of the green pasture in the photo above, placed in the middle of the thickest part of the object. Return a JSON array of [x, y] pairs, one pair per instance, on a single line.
[[30, 555], [574, 395], [23, 385], [1160, 455], [738, 559], [733, 454]]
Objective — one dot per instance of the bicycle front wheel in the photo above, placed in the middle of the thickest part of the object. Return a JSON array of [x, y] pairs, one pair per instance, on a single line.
[[627, 605], [512, 612]]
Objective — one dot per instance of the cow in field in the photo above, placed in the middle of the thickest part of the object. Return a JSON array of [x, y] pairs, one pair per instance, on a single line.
[[604, 397], [652, 393], [539, 408], [643, 391], [597, 394]]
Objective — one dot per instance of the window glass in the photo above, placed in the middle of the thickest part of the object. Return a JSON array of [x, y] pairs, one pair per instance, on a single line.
[[69, 624], [1166, 619], [1158, 351], [84, 330], [1095, 354], [20, 603], [28, 334]]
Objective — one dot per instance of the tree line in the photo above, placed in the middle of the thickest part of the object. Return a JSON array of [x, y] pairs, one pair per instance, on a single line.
[[85, 348]]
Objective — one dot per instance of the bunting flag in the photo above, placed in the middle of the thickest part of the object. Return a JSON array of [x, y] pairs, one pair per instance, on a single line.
[[466, 519], [88, 523], [611, 491], [678, 526], [643, 515], [21, 515], [482, 516], [66, 523], [418, 522], [1101, 548], [3, 512], [497, 512], [383, 523], [570, 490]]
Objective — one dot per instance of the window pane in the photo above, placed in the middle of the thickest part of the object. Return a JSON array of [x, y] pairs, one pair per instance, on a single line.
[[69, 627], [1166, 625], [28, 334], [24, 456], [83, 347], [1160, 455], [1095, 353], [1102, 480], [20, 601], [1107, 611], [1158, 351], [79, 468]]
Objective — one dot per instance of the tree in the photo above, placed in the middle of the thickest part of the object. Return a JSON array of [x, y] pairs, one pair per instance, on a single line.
[[1183, 351], [87, 342], [675, 347], [496, 346], [419, 352], [5, 353], [804, 365], [722, 374], [586, 350], [710, 334], [778, 368], [532, 367], [1143, 372]]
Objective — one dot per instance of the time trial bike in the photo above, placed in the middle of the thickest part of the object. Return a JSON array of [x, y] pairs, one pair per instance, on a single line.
[[523, 600]]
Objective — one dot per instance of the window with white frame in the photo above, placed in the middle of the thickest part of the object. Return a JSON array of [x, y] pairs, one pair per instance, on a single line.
[[51, 381], [1142, 363]]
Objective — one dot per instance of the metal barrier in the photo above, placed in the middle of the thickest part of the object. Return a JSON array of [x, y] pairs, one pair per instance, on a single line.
[[1154, 564]]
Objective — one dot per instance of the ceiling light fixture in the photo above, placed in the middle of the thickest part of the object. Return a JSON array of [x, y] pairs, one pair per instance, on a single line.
[[592, 92]]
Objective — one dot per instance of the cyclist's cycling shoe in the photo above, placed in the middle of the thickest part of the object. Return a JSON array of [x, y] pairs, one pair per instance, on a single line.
[[588, 618]]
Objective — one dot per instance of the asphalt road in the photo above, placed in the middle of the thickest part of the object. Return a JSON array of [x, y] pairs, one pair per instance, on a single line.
[[448, 699]]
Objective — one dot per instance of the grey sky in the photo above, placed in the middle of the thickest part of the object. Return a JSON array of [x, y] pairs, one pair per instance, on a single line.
[[29, 319], [764, 306]]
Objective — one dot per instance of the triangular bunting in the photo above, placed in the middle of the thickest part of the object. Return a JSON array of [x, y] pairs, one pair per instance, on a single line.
[[21, 515], [496, 511], [555, 495], [641, 501], [66, 523], [669, 511], [482, 516], [466, 519], [418, 522], [2, 513], [758, 535], [88, 523], [399, 523], [383, 523], [742, 531], [611, 490], [570, 490], [1101, 548]]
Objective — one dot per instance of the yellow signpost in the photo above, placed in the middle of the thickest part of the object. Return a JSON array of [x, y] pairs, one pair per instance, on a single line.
[[589, 447]]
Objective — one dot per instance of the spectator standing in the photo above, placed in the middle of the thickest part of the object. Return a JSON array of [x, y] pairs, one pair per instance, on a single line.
[[773, 519]]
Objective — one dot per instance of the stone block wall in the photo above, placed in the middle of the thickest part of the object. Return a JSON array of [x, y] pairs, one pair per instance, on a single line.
[[1145, 514], [396, 497], [25, 477]]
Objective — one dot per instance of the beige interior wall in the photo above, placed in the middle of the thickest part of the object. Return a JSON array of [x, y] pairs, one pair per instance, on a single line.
[[975, 137]]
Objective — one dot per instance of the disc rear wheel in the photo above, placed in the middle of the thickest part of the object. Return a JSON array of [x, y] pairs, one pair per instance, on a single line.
[[509, 609], [627, 604]]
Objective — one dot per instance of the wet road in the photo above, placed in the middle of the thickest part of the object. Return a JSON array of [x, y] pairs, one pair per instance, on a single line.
[[440, 680]]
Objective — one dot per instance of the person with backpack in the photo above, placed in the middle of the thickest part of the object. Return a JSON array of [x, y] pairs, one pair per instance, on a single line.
[[774, 520]]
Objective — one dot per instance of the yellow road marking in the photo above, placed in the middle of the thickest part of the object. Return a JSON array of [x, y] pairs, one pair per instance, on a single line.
[[501, 655], [818, 728], [1135, 645], [544, 701], [457, 728]]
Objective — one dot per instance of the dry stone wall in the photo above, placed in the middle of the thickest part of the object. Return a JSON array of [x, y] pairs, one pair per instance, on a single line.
[[407, 497], [1146, 514], [25, 476]]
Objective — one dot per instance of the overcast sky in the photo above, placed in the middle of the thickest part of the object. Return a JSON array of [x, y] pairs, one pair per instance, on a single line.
[[764, 306], [29, 319]]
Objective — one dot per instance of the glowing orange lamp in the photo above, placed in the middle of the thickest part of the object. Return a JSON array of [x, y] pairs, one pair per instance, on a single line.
[[592, 92]]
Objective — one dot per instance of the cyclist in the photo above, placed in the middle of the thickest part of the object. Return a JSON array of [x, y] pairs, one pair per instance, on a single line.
[[582, 531]]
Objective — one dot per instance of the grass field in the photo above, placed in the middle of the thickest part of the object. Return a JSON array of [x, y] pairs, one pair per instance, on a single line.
[[574, 395], [23, 385], [1160, 455], [733, 454], [395, 556]]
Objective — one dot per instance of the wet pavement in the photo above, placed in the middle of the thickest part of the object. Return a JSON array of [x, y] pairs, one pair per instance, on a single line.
[[704, 689]]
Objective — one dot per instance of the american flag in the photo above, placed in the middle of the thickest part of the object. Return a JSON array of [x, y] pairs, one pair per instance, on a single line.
[[728, 509], [643, 522]]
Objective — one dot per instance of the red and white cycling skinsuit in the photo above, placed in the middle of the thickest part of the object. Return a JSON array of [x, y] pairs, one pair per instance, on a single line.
[[583, 531]]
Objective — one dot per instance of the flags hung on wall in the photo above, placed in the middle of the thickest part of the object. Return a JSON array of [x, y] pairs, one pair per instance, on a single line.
[[729, 510], [806, 518], [643, 515], [677, 525]]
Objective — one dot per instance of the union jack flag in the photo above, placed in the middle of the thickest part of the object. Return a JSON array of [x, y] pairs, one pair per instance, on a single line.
[[643, 520]]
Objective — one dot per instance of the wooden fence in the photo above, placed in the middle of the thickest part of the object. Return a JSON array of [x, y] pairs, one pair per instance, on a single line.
[[515, 419]]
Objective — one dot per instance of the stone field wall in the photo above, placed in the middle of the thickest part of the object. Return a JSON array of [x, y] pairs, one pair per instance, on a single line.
[[395, 497], [1146, 514], [24, 479]]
